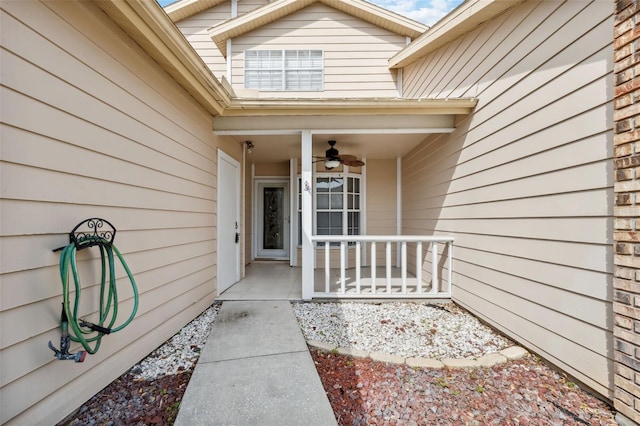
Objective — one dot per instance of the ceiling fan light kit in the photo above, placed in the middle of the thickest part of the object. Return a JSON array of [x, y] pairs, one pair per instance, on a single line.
[[333, 158], [331, 163]]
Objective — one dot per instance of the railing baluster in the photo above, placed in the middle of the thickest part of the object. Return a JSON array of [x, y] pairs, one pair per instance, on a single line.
[[327, 268], [343, 255], [373, 267], [358, 251], [388, 264], [403, 262], [343, 286], [434, 267], [419, 267]]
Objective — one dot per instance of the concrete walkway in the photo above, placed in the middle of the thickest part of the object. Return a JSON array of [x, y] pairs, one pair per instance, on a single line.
[[255, 369]]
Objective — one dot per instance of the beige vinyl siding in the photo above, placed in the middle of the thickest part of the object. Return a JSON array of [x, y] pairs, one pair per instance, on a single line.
[[246, 6], [355, 52], [280, 169], [92, 127], [525, 182], [381, 203], [195, 28]]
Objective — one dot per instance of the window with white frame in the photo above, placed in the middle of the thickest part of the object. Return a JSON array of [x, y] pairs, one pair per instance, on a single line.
[[283, 70], [337, 208]]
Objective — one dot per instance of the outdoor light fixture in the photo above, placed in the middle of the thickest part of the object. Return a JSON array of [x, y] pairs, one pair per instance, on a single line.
[[250, 146]]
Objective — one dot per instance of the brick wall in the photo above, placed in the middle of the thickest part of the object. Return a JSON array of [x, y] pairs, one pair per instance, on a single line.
[[626, 285]]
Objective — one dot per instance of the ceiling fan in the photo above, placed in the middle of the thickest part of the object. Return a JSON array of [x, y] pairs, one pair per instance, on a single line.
[[333, 159]]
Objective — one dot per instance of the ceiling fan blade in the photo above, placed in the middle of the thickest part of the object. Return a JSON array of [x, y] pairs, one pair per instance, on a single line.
[[347, 157], [353, 163]]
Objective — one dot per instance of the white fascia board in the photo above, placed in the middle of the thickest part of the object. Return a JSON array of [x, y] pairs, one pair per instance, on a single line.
[[461, 20]]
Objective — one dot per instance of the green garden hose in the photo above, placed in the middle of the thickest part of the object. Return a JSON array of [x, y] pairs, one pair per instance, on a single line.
[[83, 331]]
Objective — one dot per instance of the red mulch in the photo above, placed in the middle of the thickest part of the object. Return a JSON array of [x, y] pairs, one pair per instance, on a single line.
[[522, 392]]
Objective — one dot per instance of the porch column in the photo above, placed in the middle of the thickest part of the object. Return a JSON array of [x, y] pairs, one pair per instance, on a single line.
[[307, 216]]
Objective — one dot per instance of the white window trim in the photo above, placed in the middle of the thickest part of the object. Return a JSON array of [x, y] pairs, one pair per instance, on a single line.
[[284, 70], [345, 210]]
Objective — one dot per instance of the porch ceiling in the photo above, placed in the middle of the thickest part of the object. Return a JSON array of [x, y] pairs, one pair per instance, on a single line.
[[384, 137], [282, 147], [373, 129]]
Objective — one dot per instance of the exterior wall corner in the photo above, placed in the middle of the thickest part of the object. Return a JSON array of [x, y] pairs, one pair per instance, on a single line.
[[626, 152]]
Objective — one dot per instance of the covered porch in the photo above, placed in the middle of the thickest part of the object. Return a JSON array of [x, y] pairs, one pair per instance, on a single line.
[[339, 225]]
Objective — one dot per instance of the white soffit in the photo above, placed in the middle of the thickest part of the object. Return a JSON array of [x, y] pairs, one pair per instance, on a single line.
[[185, 8]]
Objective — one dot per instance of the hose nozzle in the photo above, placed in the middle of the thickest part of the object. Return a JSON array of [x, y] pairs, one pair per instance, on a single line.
[[63, 353]]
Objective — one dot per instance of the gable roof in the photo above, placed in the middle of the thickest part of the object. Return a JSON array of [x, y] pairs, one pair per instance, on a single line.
[[280, 8], [461, 20], [149, 26]]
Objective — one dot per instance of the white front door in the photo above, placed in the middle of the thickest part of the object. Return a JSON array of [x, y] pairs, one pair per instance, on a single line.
[[228, 223], [272, 219]]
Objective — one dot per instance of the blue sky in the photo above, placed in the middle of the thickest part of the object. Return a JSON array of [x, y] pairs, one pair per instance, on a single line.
[[425, 11]]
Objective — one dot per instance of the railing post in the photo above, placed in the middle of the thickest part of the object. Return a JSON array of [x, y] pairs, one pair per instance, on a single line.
[[403, 262], [373, 267], [450, 265], [327, 268], [419, 267], [388, 265], [358, 249], [343, 255], [434, 267]]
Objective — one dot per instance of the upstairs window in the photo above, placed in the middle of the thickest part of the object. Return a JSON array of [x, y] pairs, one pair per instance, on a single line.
[[283, 70]]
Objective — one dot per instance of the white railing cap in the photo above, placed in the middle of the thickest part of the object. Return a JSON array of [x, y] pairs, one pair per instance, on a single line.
[[376, 238]]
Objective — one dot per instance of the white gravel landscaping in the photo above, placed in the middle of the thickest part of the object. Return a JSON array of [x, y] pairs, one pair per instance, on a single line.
[[180, 352], [401, 328]]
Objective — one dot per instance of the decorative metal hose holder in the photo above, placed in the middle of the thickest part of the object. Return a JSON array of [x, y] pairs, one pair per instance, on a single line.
[[90, 233]]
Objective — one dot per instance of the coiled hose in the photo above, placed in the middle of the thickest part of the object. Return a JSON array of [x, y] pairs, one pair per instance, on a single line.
[[83, 331]]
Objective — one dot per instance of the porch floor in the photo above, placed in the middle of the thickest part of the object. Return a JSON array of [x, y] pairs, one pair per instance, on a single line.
[[276, 280], [267, 280]]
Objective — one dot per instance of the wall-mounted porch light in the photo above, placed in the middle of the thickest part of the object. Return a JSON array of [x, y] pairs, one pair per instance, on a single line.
[[250, 146]]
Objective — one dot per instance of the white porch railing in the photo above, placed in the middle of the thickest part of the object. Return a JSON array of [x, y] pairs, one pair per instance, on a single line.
[[371, 278]]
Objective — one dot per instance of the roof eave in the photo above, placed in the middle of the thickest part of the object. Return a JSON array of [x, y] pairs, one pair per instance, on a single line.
[[318, 107], [151, 28], [278, 9], [461, 20]]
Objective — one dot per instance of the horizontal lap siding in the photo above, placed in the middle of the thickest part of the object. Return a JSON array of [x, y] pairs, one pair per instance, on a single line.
[[355, 52], [195, 31], [524, 183], [92, 127]]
